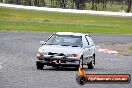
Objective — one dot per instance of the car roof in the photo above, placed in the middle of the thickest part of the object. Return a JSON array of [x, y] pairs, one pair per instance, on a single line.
[[70, 33]]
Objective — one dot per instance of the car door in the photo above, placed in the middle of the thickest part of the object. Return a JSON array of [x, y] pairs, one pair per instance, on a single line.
[[86, 50], [92, 46]]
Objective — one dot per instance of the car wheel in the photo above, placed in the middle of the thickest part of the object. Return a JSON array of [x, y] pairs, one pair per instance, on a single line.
[[94, 58], [39, 65], [81, 62], [92, 63]]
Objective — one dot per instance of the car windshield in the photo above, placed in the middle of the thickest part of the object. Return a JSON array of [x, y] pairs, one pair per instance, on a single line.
[[65, 40]]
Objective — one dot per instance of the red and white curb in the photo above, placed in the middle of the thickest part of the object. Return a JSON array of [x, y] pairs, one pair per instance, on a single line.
[[98, 49]]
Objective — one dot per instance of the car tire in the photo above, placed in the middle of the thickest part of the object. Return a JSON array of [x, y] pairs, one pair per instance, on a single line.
[[94, 58], [81, 62], [39, 65], [92, 63]]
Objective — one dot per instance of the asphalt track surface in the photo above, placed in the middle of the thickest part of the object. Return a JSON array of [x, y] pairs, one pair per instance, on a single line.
[[18, 70]]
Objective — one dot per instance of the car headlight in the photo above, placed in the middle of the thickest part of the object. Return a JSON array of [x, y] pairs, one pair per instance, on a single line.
[[38, 54], [71, 55]]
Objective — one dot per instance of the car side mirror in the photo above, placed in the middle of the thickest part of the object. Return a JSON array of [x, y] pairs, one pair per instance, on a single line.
[[42, 42]]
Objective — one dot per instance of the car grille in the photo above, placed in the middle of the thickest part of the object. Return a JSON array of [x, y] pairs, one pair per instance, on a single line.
[[56, 54]]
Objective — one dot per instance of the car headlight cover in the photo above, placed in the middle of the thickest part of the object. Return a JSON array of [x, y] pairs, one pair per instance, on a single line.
[[38, 54]]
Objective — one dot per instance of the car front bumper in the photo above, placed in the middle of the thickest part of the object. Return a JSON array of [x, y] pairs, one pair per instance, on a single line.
[[58, 61]]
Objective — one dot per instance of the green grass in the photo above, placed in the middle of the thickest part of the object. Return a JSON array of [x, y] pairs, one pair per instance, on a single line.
[[130, 48], [31, 20]]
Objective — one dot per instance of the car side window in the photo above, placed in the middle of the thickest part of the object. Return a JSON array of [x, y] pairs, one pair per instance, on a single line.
[[90, 40], [85, 42]]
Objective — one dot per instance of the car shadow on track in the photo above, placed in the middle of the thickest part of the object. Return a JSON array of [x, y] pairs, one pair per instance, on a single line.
[[60, 69], [95, 70], [71, 69]]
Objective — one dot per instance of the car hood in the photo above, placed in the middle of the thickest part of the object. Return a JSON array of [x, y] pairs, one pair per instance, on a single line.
[[60, 49]]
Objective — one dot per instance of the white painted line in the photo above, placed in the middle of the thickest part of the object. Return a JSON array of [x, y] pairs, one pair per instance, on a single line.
[[109, 13]]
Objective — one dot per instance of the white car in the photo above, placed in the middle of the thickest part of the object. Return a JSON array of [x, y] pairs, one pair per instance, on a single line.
[[66, 49]]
